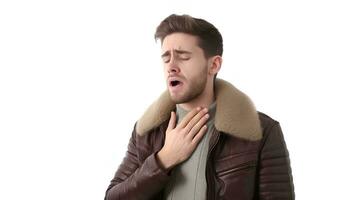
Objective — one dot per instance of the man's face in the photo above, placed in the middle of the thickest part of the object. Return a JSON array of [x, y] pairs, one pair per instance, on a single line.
[[185, 67]]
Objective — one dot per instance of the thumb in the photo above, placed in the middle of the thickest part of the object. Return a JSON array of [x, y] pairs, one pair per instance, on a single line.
[[172, 121]]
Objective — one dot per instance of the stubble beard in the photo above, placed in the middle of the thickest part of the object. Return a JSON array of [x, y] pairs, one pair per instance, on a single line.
[[195, 89]]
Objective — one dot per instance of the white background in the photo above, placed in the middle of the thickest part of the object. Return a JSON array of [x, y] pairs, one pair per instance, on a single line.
[[76, 75]]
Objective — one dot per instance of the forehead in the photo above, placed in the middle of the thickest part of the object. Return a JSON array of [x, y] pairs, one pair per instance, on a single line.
[[180, 41]]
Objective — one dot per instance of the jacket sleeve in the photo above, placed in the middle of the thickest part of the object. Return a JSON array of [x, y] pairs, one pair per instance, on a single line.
[[275, 177], [135, 180]]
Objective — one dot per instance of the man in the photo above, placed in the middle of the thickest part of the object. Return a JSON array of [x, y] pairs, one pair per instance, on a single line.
[[202, 138]]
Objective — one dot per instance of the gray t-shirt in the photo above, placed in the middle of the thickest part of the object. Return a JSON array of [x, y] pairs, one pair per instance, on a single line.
[[189, 178]]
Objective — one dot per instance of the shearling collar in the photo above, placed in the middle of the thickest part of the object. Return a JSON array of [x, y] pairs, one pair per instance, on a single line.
[[235, 113]]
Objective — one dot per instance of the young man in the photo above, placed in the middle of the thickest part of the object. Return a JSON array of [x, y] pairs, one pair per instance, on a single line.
[[202, 138]]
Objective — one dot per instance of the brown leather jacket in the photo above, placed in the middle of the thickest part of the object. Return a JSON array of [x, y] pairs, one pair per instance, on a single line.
[[247, 156]]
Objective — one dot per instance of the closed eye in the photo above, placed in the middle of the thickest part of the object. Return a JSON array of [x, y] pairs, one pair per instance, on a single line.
[[181, 55], [166, 59]]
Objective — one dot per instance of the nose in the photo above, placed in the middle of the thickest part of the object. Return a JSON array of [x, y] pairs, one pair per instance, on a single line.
[[172, 66]]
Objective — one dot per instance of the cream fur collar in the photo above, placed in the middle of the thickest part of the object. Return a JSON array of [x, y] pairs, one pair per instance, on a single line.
[[235, 113]]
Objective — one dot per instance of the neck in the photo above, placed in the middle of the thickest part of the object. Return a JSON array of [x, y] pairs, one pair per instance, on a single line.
[[205, 99]]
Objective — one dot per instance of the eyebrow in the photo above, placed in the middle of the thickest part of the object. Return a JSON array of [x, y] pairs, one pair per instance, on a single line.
[[177, 51]]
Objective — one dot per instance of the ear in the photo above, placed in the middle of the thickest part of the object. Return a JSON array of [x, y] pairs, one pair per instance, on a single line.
[[215, 65]]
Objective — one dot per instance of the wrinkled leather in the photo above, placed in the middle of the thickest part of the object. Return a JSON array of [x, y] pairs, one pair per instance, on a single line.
[[236, 168]]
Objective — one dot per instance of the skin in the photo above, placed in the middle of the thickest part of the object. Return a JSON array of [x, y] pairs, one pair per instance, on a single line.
[[184, 59]]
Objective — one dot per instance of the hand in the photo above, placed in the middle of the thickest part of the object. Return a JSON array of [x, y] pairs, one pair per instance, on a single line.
[[181, 141]]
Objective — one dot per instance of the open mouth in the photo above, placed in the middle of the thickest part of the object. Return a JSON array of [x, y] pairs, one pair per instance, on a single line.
[[175, 83]]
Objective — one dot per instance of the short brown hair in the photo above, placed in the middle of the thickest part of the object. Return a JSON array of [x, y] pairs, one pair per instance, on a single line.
[[209, 38]]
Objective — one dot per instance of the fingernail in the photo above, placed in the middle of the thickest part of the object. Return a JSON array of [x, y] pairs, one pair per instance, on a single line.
[[199, 108], [207, 116]]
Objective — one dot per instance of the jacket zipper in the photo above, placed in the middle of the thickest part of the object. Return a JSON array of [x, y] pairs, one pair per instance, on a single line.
[[209, 168]]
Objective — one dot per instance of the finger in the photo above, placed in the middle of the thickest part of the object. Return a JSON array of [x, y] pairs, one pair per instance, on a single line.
[[199, 135], [188, 117], [195, 120], [196, 128], [172, 121]]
